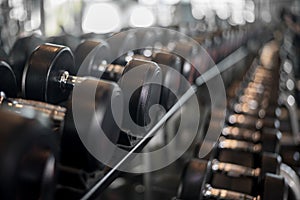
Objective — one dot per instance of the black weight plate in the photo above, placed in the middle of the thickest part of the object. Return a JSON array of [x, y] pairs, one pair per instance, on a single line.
[[274, 188], [20, 52], [27, 150], [147, 94], [240, 184], [89, 52], [270, 141], [8, 82], [68, 40], [74, 153], [192, 179], [171, 79], [95, 36], [42, 71], [120, 44], [236, 157], [270, 163]]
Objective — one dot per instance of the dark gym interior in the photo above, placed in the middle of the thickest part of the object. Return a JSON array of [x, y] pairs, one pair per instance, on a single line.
[[149, 99]]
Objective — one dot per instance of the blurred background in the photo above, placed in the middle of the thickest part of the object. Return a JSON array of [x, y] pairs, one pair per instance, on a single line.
[[55, 17]]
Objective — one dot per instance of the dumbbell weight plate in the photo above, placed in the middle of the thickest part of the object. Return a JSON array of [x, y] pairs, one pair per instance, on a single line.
[[148, 93], [68, 40], [90, 54], [120, 44], [28, 154], [19, 53], [171, 79], [74, 153], [274, 188], [39, 81], [8, 82], [270, 163], [193, 179]]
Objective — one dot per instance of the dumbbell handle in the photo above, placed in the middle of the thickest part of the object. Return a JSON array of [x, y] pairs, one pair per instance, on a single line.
[[211, 192], [235, 170], [240, 145], [68, 81], [110, 73], [246, 134]]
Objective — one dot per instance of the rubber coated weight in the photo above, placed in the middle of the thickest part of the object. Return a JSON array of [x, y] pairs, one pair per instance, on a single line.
[[86, 50], [74, 153], [270, 163], [193, 179], [187, 51], [147, 95], [28, 154], [274, 188], [19, 53], [120, 44], [171, 79], [68, 40], [8, 82], [40, 77]]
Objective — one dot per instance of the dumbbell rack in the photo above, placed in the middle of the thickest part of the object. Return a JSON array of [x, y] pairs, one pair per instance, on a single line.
[[227, 167], [225, 64]]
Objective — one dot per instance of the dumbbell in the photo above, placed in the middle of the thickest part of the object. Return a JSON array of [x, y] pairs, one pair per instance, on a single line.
[[47, 75], [48, 115], [19, 53], [248, 121], [119, 42], [48, 67], [269, 139], [28, 156], [187, 50], [252, 107], [68, 40], [196, 182], [90, 50], [171, 77]]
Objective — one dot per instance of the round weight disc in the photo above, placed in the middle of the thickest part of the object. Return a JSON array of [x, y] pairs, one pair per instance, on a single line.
[[270, 163], [28, 154], [171, 79], [145, 95], [43, 69], [90, 55], [192, 179], [274, 188], [19, 53], [8, 82], [68, 40]]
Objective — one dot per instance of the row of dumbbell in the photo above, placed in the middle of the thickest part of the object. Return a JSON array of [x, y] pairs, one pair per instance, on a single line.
[[288, 85], [53, 60], [47, 77], [217, 45], [245, 163]]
